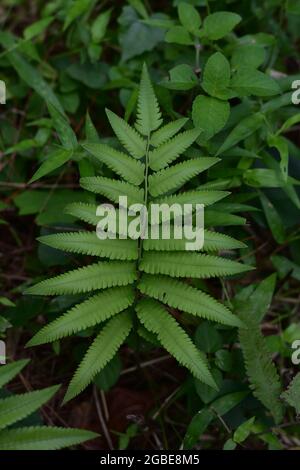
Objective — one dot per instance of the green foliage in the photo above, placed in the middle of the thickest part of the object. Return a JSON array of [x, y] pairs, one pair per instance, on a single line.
[[15, 408], [223, 83], [103, 274], [292, 394], [262, 373]]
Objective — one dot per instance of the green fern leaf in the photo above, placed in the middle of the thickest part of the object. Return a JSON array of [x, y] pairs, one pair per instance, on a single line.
[[193, 197], [113, 189], [169, 151], [9, 371], [180, 295], [93, 311], [292, 394], [190, 265], [89, 244], [127, 135], [175, 176], [148, 112], [96, 276], [83, 211], [129, 169], [263, 377], [261, 370], [43, 438], [213, 241], [166, 132], [100, 353], [174, 339], [16, 408]]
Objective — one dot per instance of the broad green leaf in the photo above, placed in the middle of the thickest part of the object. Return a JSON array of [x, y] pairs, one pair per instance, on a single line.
[[189, 17], [216, 76], [248, 55], [182, 77], [210, 115], [248, 81], [179, 35], [219, 24]]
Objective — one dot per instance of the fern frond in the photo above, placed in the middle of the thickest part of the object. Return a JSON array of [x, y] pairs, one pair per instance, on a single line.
[[129, 169], [251, 305], [43, 438], [112, 189], [180, 295], [9, 371], [127, 135], [174, 339], [100, 353], [175, 176], [83, 211], [292, 394], [193, 197], [89, 244], [166, 132], [169, 151], [262, 373], [93, 311], [213, 241], [190, 265], [148, 112], [16, 408], [95, 276]]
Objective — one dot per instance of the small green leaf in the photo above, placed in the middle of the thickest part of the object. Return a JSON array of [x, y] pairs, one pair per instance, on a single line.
[[37, 27], [219, 24], [179, 35], [189, 17], [99, 26], [243, 431], [216, 76], [53, 161]]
